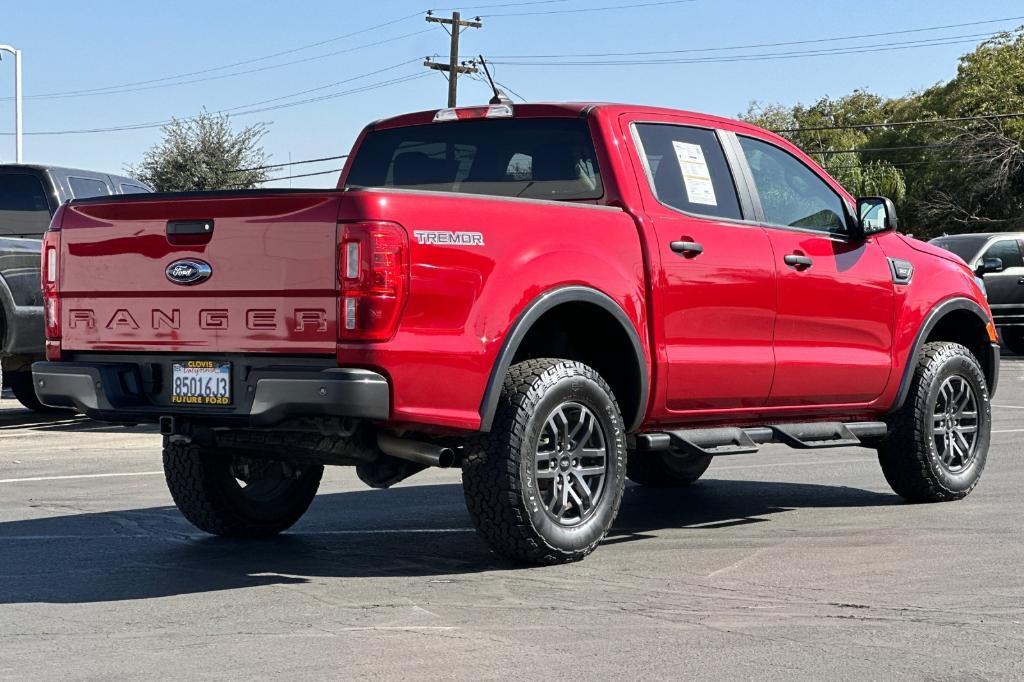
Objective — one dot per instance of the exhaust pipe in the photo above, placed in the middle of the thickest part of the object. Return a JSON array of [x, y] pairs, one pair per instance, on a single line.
[[427, 454]]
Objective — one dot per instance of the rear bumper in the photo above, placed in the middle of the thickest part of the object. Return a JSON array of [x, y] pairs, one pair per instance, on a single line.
[[131, 392]]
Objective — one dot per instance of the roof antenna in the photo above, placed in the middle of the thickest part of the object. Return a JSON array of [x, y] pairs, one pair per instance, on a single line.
[[499, 96]]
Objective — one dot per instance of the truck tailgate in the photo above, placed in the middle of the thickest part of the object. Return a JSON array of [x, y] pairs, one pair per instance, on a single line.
[[272, 286]]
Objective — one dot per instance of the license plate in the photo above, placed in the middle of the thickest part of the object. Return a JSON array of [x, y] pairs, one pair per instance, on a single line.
[[201, 382]]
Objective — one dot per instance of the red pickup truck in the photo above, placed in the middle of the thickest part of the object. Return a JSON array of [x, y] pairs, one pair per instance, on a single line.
[[553, 297]]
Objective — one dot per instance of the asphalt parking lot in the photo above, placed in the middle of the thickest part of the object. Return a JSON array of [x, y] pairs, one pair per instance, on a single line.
[[778, 565]]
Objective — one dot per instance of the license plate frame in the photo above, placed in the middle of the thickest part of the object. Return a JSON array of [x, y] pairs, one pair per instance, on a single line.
[[201, 383]]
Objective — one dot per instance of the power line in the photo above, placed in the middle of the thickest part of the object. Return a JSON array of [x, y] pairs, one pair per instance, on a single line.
[[234, 64], [764, 56], [868, 150], [590, 9], [160, 124], [501, 4], [290, 163], [301, 175], [760, 45], [237, 73], [902, 124]]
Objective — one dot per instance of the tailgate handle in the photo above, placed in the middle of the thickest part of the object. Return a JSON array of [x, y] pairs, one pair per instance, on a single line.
[[189, 227]]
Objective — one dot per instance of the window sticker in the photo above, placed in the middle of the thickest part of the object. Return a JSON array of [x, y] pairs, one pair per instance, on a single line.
[[695, 172]]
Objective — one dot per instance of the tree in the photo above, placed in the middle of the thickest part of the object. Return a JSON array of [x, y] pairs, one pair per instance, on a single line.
[[204, 153], [958, 176]]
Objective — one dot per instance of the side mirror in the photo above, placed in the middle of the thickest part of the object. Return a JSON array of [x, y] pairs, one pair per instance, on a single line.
[[876, 214], [988, 265]]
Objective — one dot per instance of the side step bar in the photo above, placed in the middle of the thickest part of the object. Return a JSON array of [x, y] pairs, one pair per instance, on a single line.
[[733, 440]]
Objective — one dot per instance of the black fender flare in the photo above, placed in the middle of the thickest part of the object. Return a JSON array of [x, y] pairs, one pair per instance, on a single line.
[[6, 315], [933, 318], [525, 321]]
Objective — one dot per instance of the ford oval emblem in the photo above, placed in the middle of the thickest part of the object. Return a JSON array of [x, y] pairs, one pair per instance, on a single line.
[[189, 271]]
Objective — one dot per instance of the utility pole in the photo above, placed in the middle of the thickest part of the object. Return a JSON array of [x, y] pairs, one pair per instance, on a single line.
[[453, 67], [18, 133]]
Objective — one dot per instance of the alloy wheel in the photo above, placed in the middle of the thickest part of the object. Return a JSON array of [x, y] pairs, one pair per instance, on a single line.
[[572, 463], [955, 424]]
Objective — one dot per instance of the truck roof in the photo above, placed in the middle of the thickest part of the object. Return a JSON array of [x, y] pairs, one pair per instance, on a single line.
[[63, 170], [978, 235], [568, 109]]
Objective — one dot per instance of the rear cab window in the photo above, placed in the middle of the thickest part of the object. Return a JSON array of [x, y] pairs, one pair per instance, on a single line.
[[83, 188], [24, 210], [133, 189], [687, 170], [535, 158]]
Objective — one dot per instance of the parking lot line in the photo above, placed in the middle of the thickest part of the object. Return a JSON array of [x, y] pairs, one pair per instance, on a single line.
[[197, 536], [65, 478]]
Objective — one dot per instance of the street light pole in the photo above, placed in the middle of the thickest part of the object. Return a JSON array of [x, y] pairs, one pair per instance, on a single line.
[[18, 133]]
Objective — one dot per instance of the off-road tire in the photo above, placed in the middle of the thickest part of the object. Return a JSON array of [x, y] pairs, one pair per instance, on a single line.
[[25, 392], [206, 492], [663, 470], [908, 454], [500, 467], [1013, 339]]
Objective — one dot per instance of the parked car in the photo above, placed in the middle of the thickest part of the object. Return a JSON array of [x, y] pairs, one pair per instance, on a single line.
[[29, 195], [996, 258], [555, 297]]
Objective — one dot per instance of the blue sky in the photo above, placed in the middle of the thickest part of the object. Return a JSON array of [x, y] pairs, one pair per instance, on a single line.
[[73, 46]]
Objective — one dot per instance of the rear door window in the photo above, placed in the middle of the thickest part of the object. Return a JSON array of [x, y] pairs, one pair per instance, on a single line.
[[537, 158], [133, 189], [688, 171], [83, 188], [24, 210]]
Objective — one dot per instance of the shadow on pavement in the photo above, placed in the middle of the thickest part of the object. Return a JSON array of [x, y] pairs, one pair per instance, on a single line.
[[15, 418], [153, 552]]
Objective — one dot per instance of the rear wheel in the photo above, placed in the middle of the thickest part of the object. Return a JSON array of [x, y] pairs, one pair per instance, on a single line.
[[544, 486], [938, 441], [25, 392], [238, 496], [665, 470], [1013, 338]]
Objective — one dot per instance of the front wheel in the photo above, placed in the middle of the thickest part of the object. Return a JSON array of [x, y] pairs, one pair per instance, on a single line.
[[938, 441], [238, 496], [544, 486]]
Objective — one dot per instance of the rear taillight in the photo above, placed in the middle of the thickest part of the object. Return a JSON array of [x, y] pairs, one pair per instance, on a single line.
[[373, 269], [50, 275]]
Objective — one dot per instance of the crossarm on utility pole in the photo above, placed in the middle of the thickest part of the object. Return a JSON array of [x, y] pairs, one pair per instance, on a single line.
[[453, 67]]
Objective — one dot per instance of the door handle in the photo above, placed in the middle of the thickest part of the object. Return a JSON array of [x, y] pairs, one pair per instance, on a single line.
[[687, 248], [798, 261], [1020, 281]]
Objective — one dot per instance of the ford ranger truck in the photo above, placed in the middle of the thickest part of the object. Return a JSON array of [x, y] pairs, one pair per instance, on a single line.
[[553, 297]]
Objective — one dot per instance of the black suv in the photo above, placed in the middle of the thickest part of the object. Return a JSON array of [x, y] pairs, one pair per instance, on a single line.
[[996, 258], [29, 195]]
